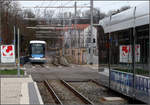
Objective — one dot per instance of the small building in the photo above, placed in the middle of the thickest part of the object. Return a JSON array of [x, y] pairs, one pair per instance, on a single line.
[[77, 41], [87, 43]]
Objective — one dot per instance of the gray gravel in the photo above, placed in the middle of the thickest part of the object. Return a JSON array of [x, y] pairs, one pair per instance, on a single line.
[[65, 95], [94, 92], [47, 98]]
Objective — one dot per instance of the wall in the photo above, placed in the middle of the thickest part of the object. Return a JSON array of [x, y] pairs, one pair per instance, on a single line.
[[86, 44], [73, 53]]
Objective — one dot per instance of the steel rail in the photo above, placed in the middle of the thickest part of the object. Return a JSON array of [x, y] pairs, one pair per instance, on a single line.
[[42, 65], [83, 98], [129, 97], [99, 84], [55, 97], [33, 64]]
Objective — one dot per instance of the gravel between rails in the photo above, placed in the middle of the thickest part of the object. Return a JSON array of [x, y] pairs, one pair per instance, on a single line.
[[65, 95], [47, 98], [94, 92]]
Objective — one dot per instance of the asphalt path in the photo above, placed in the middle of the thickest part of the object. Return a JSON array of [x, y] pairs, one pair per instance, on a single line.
[[74, 72]]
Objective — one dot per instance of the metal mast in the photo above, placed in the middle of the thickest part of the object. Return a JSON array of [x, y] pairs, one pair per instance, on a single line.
[[63, 50], [75, 23], [133, 54], [0, 20], [91, 28], [18, 53]]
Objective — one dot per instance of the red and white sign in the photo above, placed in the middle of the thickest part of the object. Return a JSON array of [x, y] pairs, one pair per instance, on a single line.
[[126, 53], [7, 54]]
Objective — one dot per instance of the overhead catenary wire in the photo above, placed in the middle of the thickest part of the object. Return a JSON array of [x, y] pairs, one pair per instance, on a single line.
[[61, 9]]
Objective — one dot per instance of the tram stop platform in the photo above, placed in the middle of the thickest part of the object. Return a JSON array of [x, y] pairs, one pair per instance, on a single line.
[[19, 90], [7, 66]]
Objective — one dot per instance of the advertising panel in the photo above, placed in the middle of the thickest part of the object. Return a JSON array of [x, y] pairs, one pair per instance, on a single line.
[[7, 54], [126, 53]]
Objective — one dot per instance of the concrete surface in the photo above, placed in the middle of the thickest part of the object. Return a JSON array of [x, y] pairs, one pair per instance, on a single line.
[[17, 91], [9, 67], [105, 72], [74, 72]]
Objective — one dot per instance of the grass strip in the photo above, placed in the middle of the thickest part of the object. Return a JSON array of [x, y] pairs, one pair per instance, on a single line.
[[138, 71], [10, 72]]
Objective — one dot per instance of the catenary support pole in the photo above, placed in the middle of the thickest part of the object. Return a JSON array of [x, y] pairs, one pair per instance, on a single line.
[[15, 44], [149, 59], [0, 19], [63, 46], [76, 33], [109, 62], [18, 53], [70, 24], [133, 54], [91, 28], [0, 24]]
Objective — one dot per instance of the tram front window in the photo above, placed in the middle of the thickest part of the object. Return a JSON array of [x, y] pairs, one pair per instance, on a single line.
[[37, 49]]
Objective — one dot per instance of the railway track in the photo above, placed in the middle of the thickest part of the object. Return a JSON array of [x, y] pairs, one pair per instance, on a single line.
[[94, 91], [42, 65], [47, 98], [37, 65], [94, 81], [62, 93], [83, 98], [76, 93], [55, 97], [129, 99]]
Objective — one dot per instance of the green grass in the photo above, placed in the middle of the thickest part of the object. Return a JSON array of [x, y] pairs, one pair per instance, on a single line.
[[10, 72], [138, 71]]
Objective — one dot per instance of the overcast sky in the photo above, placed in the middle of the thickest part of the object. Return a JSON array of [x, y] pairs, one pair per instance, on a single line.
[[104, 6]]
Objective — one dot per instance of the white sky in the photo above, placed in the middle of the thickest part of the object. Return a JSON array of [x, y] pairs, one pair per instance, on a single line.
[[104, 6]]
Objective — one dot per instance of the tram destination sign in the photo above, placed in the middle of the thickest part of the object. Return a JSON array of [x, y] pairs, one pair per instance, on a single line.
[[7, 54]]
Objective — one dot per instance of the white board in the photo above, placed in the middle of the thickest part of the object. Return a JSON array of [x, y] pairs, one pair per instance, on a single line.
[[126, 53], [7, 54]]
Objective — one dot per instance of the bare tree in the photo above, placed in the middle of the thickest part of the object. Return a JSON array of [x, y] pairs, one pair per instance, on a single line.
[[113, 12], [48, 15], [28, 13], [97, 15], [13, 16], [123, 8]]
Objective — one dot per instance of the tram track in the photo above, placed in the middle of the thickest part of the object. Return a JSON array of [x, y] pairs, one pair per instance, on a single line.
[[89, 92], [62, 93], [55, 97], [37, 65], [110, 90], [97, 83], [94, 91], [83, 98], [42, 65], [46, 97]]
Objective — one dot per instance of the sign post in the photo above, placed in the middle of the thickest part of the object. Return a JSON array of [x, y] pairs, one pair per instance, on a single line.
[[0, 45], [15, 43], [18, 55]]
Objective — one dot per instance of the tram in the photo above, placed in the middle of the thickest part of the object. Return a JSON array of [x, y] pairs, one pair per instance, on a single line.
[[37, 51], [123, 43]]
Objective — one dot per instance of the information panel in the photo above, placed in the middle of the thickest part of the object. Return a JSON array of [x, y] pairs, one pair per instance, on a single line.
[[7, 54], [126, 53]]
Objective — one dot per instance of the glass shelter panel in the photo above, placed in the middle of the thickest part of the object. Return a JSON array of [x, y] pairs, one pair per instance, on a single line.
[[125, 61], [120, 61], [142, 83]]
